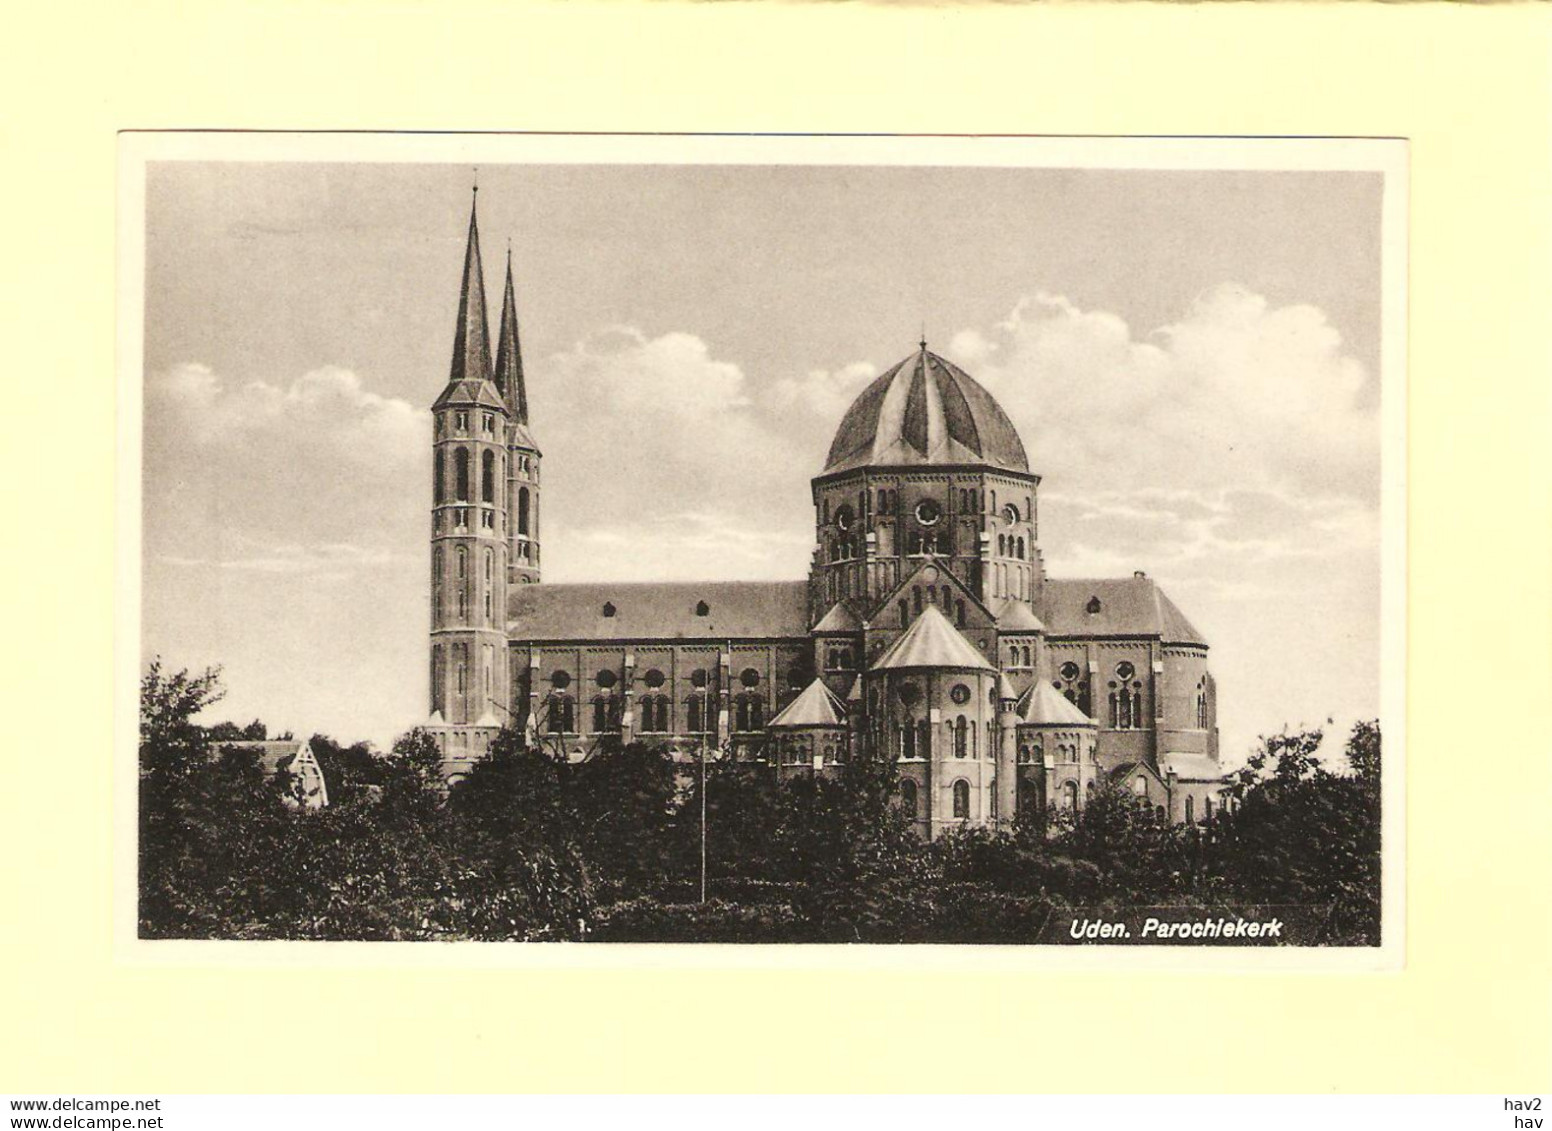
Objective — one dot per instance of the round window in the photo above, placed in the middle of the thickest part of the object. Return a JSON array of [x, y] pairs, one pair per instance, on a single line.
[[698, 677], [653, 678], [606, 678], [928, 512], [909, 693], [748, 677], [960, 694], [1070, 670], [1010, 514], [560, 680], [843, 517], [1125, 670]]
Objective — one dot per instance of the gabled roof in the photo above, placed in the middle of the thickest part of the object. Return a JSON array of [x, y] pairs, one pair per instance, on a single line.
[[1120, 773], [274, 754], [925, 410], [840, 618], [945, 576], [1127, 606], [932, 642], [659, 611], [1014, 615], [1043, 705], [1191, 767], [815, 707]]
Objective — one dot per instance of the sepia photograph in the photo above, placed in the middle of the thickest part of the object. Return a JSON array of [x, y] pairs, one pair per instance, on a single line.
[[769, 541]]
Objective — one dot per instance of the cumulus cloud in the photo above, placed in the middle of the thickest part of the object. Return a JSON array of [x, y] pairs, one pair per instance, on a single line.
[[1235, 391]]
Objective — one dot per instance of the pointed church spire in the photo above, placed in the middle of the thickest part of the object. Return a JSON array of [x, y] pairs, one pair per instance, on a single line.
[[509, 355], [471, 343]]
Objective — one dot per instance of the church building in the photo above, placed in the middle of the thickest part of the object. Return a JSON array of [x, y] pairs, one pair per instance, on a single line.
[[926, 632]]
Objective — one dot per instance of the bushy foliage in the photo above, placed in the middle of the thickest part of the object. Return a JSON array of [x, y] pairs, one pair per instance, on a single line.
[[529, 846]]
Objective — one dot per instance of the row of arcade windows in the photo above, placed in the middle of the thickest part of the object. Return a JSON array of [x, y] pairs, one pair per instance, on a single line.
[[490, 477], [1009, 547], [656, 716], [940, 595], [1126, 710]]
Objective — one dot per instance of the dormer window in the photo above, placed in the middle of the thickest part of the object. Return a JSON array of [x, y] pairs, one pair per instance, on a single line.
[[702, 609], [608, 609], [1094, 605]]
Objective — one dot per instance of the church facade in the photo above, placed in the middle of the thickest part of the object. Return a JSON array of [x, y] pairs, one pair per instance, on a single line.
[[926, 632]]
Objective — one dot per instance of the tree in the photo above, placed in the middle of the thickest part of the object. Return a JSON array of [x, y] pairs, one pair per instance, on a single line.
[[1302, 835]]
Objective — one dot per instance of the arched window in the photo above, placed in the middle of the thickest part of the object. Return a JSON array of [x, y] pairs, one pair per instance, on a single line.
[[962, 800], [1020, 554], [908, 741], [1002, 545], [522, 511], [603, 714], [461, 474], [437, 665], [562, 717], [1159, 814], [959, 613], [904, 614], [1140, 785], [696, 705], [1028, 795], [702, 609], [1201, 705], [441, 476], [908, 799], [924, 738], [1190, 814], [1207, 808], [750, 711], [1070, 795], [961, 736], [488, 477]]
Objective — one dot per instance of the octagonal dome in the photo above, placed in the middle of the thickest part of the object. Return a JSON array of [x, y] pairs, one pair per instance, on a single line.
[[925, 410]]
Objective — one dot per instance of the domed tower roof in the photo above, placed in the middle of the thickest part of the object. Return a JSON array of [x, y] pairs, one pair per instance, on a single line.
[[925, 410]]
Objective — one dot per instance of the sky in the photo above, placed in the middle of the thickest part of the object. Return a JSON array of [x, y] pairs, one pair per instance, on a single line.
[[1192, 360]]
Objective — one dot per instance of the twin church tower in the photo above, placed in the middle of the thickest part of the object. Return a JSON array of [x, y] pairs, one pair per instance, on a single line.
[[485, 506], [927, 631]]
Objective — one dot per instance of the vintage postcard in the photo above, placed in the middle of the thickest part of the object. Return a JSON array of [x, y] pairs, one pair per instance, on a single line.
[[989, 543]]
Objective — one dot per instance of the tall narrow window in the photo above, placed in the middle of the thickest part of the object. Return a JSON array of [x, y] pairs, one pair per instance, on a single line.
[[522, 511], [1070, 795], [962, 800], [908, 741], [489, 586], [436, 584], [959, 613], [488, 477], [441, 476], [908, 795], [461, 474], [1190, 815], [904, 614], [924, 738], [961, 736]]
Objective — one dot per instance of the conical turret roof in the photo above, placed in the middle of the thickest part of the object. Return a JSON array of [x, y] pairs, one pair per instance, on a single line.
[[817, 706], [932, 642], [1043, 705]]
